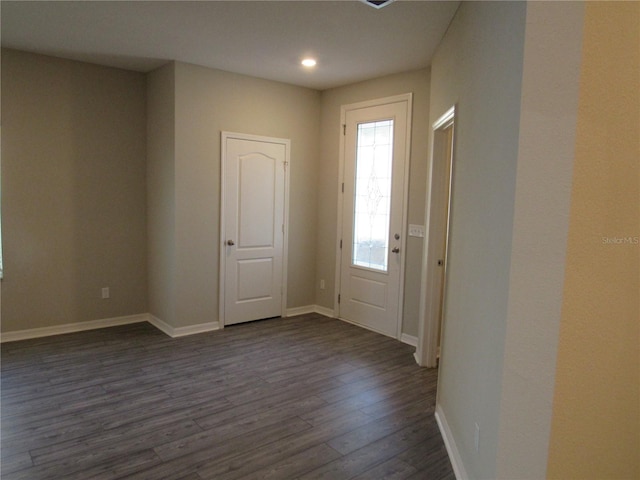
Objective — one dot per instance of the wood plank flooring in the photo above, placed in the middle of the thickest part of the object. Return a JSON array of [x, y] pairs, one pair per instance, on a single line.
[[306, 397]]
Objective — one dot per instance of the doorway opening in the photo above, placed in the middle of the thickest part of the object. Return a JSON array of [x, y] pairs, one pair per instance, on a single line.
[[438, 215]]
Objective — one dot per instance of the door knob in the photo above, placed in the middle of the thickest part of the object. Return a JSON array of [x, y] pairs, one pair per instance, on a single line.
[[395, 250], [231, 243]]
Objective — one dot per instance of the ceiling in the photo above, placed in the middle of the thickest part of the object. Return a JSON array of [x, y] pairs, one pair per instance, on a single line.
[[267, 39]]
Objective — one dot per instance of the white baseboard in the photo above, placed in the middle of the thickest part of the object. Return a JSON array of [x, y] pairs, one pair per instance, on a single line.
[[182, 331], [327, 312], [292, 312], [450, 444], [160, 325], [409, 339], [72, 327], [164, 327], [194, 329], [417, 358]]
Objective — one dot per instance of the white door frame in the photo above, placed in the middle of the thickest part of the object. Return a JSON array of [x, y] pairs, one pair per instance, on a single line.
[[431, 293], [407, 97], [222, 266]]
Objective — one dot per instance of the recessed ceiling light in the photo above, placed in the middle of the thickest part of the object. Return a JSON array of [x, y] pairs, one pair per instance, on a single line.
[[309, 62]]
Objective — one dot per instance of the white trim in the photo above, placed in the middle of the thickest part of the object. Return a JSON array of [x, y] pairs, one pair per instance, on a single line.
[[195, 329], [149, 318], [377, 102], [72, 327], [160, 325], [327, 312], [450, 444], [222, 261], [405, 210], [292, 312], [430, 294], [285, 245], [409, 339], [445, 120], [182, 331], [338, 266]]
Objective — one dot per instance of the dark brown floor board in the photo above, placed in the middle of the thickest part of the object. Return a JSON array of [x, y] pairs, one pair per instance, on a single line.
[[300, 397], [393, 469], [379, 451]]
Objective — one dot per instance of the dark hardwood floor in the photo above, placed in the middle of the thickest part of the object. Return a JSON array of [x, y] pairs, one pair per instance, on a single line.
[[305, 397]]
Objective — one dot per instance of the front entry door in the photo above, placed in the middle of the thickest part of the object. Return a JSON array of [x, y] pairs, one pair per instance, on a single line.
[[253, 230], [375, 160]]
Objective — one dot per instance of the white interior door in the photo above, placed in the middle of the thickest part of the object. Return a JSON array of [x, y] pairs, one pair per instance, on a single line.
[[375, 157], [253, 233]]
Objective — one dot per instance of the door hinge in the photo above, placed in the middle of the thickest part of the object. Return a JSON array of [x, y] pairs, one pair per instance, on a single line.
[[342, 187], [283, 228], [340, 244], [285, 163], [344, 129], [338, 298]]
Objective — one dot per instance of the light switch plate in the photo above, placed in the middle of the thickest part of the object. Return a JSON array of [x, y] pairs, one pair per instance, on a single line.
[[416, 230]]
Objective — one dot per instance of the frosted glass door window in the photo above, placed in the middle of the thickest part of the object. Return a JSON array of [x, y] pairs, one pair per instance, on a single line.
[[374, 159]]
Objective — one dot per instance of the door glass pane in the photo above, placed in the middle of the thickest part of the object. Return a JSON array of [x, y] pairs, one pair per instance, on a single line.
[[374, 158]]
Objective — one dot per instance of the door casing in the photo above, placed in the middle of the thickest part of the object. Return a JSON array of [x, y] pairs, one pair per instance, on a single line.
[[223, 234], [437, 221]]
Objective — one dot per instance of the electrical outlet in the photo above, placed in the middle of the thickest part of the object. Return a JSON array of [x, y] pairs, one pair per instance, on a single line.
[[476, 438], [416, 230], [105, 292], [321, 284]]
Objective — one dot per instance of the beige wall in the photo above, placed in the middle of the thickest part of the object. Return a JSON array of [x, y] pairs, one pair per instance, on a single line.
[[73, 191], [595, 432], [327, 216], [210, 101], [161, 208], [538, 248], [74, 219], [576, 155], [478, 67]]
